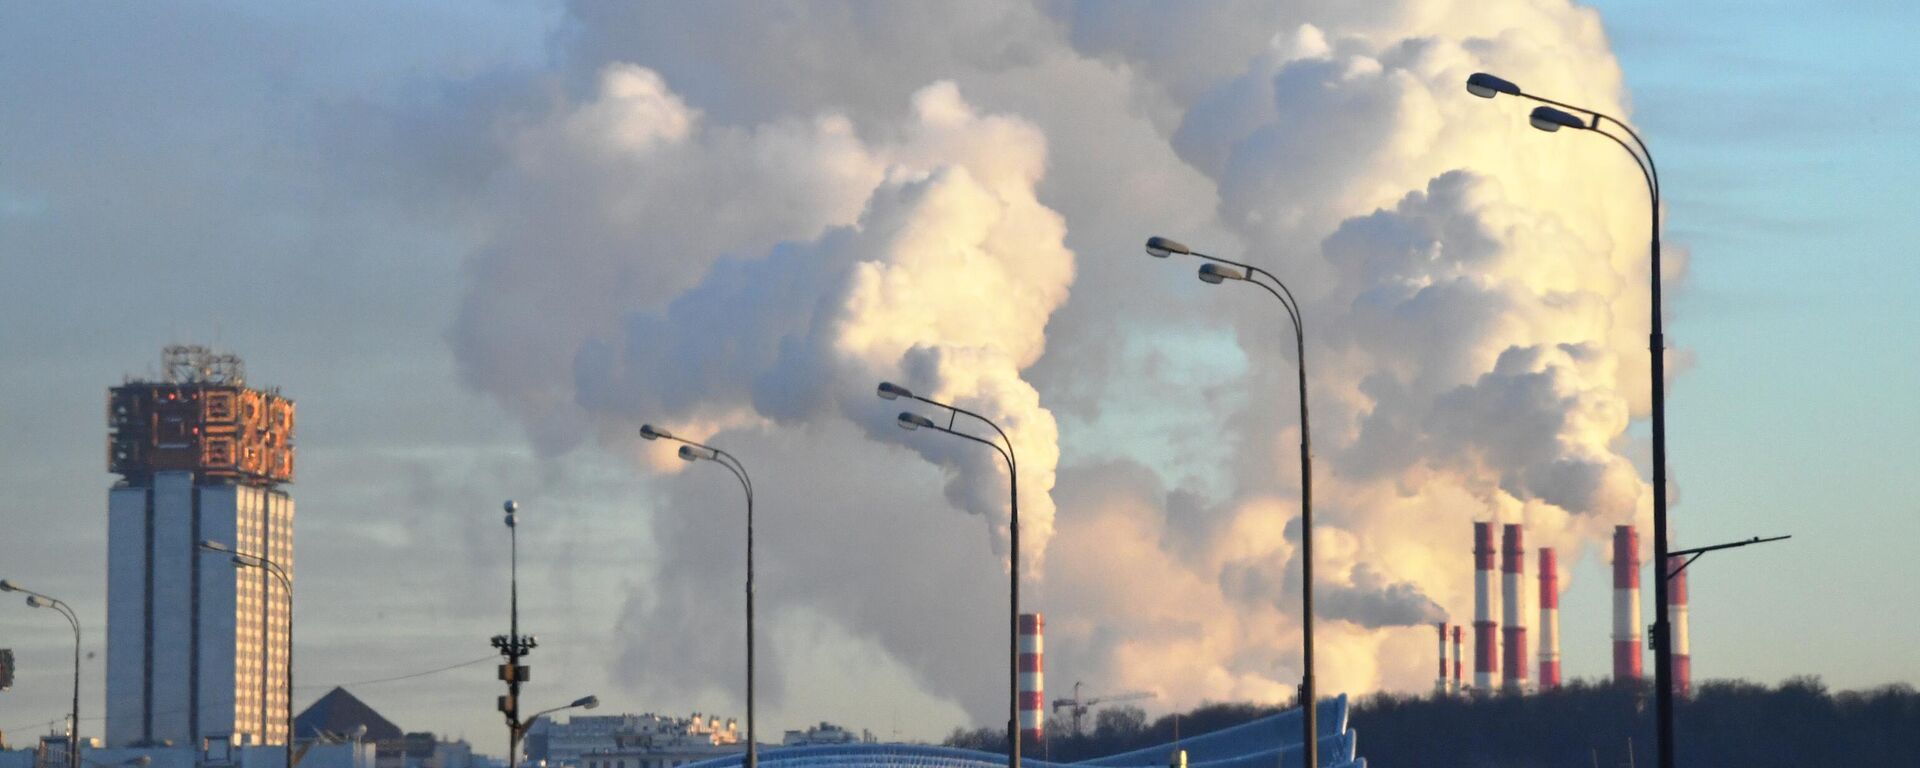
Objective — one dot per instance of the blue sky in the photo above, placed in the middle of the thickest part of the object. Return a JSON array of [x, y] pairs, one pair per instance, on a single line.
[[1784, 133]]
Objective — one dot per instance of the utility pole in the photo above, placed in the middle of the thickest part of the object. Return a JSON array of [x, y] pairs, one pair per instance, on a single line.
[[513, 645]]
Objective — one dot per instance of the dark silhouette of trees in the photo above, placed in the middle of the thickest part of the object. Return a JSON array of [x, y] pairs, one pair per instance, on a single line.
[[1798, 723]]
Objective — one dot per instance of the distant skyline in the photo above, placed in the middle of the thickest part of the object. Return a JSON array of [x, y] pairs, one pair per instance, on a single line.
[[415, 219]]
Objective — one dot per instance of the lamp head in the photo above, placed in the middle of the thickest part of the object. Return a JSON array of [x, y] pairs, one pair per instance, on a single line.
[[35, 601], [1487, 86], [7, 586], [913, 421], [1215, 274], [1549, 119], [1162, 247], [891, 391], [512, 508], [214, 546], [652, 432], [587, 702], [692, 453], [141, 762]]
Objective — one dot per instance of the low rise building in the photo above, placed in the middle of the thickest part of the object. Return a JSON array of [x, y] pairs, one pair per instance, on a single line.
[[632, 741]]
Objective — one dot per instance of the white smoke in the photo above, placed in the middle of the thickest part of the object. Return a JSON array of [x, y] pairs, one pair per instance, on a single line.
[[739, 238], [944, 280]]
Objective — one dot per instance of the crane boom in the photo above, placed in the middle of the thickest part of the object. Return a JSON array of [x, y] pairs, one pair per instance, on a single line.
[[1077, 706]]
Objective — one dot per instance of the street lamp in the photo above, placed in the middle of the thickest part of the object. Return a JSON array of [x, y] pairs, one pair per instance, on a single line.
[[286, 583], [1548, 118], [692, 451], [912, 421], [1215, 271], [37, 600], [584, 702], [513, 645]]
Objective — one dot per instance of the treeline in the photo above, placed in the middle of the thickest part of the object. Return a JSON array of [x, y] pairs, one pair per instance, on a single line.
[[1109, 730], [1582, 725]]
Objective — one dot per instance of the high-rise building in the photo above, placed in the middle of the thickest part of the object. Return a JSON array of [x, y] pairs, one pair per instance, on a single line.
[[196, 645]]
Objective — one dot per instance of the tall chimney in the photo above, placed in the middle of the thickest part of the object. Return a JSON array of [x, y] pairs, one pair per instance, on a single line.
[[1513, 566], [1484, 652], [1626, 604], [1457, 685], [1549, 620], [1677, 623], [1440, 683], [1033, 716]]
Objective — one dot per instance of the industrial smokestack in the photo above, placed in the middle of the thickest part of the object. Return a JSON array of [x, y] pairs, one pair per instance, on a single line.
[[1626, 604], [1677, 621], [1032, 678], [1549, 620], [1440, 683], [1513, 566], [1457, 685], [1483, 623]]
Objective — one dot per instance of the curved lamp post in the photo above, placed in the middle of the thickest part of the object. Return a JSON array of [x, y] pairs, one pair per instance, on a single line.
[[584, 702], [1551, 117], [911, 421], [256, 561], [1216, 271], [37, 600], [692, 451]]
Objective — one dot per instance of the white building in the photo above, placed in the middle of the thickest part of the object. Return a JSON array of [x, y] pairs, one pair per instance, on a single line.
[[197, 646], [632, 741]]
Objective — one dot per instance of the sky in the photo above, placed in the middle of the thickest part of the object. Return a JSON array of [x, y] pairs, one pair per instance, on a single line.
[[481, 243]]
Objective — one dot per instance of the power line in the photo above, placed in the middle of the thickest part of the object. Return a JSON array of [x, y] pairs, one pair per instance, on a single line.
[[373, 681], [395, 678]]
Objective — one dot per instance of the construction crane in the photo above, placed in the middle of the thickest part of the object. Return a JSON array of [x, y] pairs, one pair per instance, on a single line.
[[1077, 707]]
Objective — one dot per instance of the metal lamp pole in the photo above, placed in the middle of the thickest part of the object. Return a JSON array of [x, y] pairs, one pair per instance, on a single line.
[[1215, 272], [37, 600], [286, 583], [1550, 119], [912, 421], [692, 451], [513, 645]]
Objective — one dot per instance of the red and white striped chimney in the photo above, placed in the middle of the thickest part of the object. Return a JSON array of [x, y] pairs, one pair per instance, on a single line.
[[1677, 623], [1626, 604], [1440, 683], [1484, 652], [1513, 566], [1457, 686], [1033, 713], [1549, 620]]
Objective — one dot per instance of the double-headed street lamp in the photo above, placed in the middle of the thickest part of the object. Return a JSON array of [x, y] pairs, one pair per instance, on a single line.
[[1550, 117], [256, 561], [1216, 271], [692, 451], [37, 600], [912, 421]]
